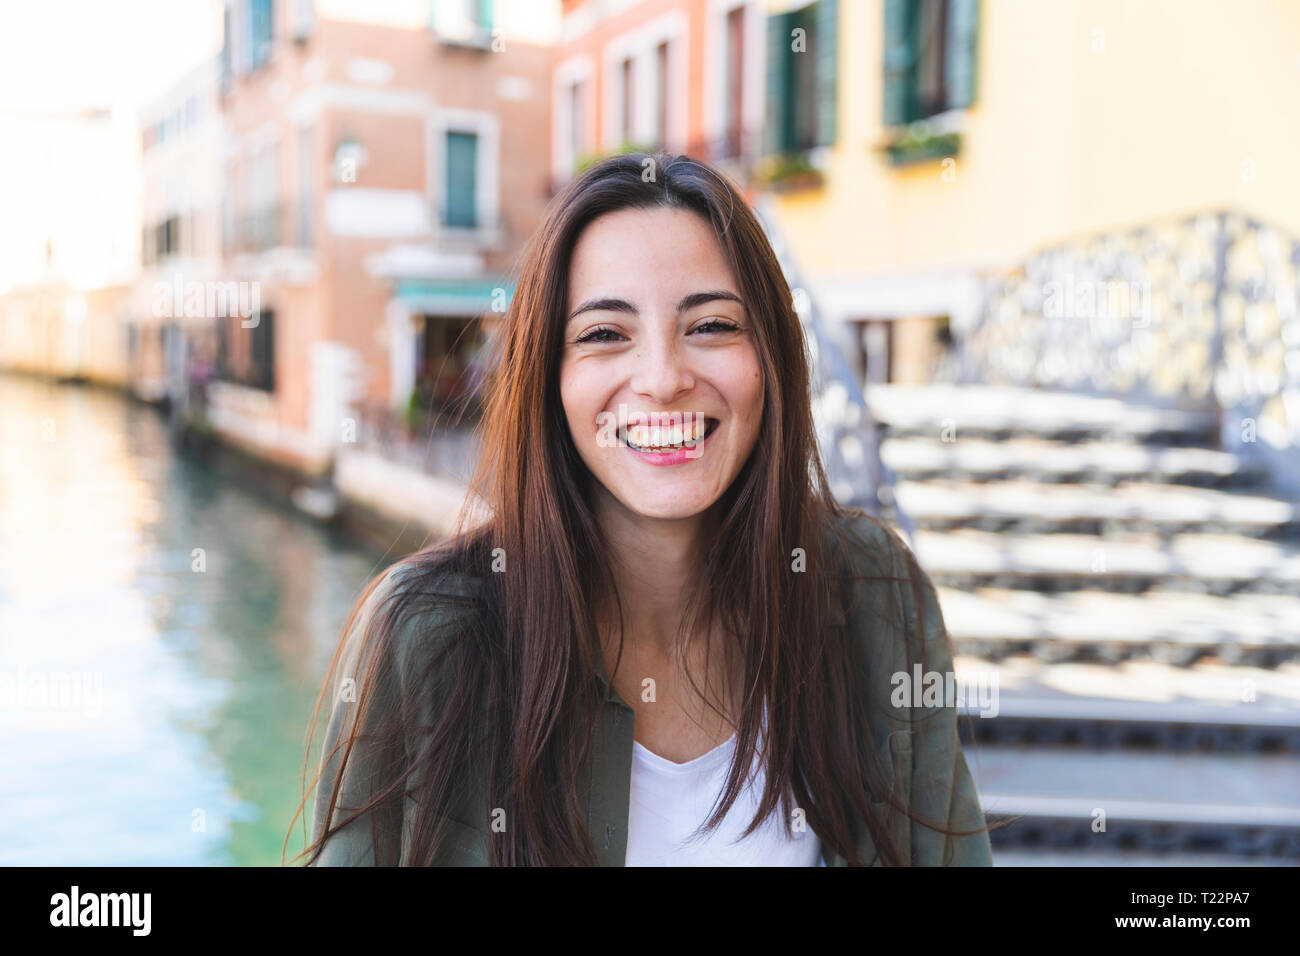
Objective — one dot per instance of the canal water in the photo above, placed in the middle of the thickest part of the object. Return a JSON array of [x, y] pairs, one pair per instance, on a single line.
[[164, 631]]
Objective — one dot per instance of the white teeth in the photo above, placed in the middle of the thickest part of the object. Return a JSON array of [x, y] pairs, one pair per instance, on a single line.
[[663, 436]]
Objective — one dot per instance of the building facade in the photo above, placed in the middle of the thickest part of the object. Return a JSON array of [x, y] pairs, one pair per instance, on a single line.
[[169, 330], [913, 149], [375, 199]]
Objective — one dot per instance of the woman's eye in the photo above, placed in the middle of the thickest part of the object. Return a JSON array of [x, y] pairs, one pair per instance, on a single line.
[[717, 326], [598, 335]]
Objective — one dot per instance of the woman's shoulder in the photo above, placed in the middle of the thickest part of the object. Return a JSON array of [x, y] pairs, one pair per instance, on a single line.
[[418, 604], [866, 546], [886, 583]]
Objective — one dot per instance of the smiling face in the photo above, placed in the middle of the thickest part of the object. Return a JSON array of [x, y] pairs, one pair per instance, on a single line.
[[656, 328]]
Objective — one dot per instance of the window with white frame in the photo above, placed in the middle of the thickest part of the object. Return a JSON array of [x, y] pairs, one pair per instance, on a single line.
[[571, 119], [461, 21], [733, 84], [460, 156], [645, 79], [577, 121], [465, 157], [663, 94]]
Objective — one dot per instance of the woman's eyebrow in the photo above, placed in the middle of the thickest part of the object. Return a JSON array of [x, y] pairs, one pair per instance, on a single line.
[[606, 304]]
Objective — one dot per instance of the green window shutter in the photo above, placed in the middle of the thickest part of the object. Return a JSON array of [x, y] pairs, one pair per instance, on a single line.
[[485, 15], [826, 39], [899, 58], [779, 69], [260, 29], [462, 194], [963, 22]]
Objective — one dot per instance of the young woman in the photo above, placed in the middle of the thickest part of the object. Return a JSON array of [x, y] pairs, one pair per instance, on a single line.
[[662, 642]]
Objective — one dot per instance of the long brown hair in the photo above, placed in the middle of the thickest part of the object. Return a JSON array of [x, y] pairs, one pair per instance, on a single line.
[[513, 660]]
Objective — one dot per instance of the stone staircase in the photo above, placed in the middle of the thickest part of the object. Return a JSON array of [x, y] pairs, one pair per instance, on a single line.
[[1078, 528], [1136, 591]]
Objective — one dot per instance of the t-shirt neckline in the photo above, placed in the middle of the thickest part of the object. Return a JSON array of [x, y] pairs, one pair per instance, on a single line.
[[703, 761]]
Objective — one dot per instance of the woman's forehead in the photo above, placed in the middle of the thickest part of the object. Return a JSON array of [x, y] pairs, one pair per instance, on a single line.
[[654, 252]]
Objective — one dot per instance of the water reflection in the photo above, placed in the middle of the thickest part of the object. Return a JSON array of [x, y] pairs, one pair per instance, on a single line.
[[163, 634]]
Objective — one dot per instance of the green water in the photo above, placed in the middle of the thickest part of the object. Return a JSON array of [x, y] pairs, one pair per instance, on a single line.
[[178, 683]]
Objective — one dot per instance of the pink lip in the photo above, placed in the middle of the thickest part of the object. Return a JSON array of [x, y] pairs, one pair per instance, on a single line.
[[679, 457]]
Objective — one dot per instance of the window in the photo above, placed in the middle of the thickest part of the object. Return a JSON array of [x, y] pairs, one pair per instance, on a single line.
[[262, 225], [929, 58], [306, 183], [246, 349], [628, 100], [801, 79], [167, 238], [734, 88], [575, 134], [876, 355], [261, 352], [461, 206], [223, 370], [260, 32], [302, 17], [227, 63], [447, 359], [461, 21], [662, 89]]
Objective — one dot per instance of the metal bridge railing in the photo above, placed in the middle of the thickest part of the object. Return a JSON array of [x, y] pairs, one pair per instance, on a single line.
[[848, 435], [1195, 310]]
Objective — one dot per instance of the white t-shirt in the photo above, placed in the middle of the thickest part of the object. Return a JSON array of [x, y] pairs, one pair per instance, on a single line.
[[670, 800]]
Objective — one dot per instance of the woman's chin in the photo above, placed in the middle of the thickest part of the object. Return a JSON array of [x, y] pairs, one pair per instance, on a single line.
[[664, 507]]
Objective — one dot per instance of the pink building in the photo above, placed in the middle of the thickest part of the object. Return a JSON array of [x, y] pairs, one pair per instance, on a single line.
[[684, 75], [376, 194]]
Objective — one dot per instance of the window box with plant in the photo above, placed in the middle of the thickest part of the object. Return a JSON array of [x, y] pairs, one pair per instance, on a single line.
[[802, 57], [929, 64], [788, 173]]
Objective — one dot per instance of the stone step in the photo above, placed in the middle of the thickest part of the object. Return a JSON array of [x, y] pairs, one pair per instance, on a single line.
[[1102, 462], [1021, 856], [956, 411], [1219, 563], [1212, 690], [1247, 804], [1030, 505], [1136, 704], [1176, 626]]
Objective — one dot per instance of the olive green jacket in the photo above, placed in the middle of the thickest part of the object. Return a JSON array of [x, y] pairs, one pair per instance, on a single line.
[[919, 750]]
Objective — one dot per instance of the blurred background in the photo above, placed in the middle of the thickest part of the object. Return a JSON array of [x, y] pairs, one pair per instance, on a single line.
[[1046, 255]]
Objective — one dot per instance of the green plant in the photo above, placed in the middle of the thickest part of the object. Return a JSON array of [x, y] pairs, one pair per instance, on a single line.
[[918, 143], [587, 160], [414, 410], [787, 169]]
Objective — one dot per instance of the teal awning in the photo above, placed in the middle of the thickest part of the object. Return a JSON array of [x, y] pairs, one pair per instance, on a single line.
[[452, 296]]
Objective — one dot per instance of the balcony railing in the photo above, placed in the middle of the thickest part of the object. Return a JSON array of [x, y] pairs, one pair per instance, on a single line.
[[290, 224], [486, 231]]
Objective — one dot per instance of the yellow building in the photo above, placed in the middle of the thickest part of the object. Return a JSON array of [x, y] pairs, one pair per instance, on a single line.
[[969, 135]]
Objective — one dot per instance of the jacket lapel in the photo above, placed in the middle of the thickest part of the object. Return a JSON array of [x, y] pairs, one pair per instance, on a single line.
[[606, 778]]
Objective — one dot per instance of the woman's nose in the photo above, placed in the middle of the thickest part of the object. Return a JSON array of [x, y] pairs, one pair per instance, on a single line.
[[661, 372]]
